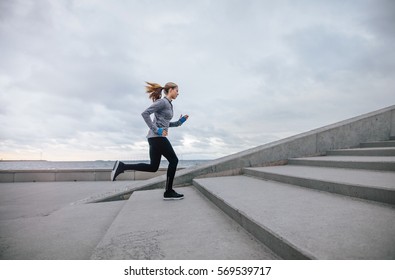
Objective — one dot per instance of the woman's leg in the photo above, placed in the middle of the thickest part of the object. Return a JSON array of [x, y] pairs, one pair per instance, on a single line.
[[153, 166], [155, 156], [170, 155]]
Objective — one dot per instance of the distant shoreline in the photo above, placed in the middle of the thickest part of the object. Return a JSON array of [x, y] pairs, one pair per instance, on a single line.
[[6, 165], [96, 160], [22, 160]]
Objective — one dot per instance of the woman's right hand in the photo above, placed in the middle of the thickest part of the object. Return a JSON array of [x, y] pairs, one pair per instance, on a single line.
[[162, 132]]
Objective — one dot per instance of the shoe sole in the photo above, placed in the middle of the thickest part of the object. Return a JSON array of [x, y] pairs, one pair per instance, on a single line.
[[114, 170], [173, 198]]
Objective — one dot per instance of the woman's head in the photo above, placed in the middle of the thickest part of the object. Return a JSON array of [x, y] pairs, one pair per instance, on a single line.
[[155, 90]]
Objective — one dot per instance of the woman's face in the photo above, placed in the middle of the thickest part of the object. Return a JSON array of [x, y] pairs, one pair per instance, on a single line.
[[173, 93]]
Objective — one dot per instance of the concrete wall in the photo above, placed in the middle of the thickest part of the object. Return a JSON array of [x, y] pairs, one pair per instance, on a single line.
[[375, 126], [393, 123], [10, 176]]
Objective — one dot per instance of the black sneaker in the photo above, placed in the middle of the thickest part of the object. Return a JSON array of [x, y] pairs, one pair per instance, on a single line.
[[117, 169], [172, 195]]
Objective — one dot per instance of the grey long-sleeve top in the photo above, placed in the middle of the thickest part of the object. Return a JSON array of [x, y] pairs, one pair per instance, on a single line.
[[163, 113]]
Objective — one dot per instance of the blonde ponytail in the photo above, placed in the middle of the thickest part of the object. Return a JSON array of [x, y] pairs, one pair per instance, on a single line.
[[155, 90]]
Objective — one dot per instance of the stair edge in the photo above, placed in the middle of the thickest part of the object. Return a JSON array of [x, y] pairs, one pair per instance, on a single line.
[[276, 243], [376, 166], [369, 194]]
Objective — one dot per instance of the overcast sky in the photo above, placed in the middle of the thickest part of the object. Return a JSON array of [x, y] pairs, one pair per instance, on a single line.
[[249, 72]]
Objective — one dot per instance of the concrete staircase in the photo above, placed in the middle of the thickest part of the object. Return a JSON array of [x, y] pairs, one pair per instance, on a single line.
[[338, 206]]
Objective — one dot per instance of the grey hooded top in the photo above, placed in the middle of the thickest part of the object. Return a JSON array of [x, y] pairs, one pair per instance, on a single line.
[[163, 113]]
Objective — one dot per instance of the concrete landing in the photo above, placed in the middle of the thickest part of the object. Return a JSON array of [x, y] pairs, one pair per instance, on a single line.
[[318, 224], [150, 228], [40, 221], [23, 200], [69, 233]]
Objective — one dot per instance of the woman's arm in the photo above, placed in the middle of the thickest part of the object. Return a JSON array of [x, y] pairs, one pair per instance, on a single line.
[[181, 120], [156, 106]]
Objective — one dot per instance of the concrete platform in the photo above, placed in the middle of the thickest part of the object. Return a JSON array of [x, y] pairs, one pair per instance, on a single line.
[[23, 200], [372, 185], [150, 228], [71, 232], [305, 223], [40, 221]]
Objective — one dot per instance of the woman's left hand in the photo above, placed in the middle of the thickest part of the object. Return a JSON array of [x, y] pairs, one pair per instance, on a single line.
[[183, 118]]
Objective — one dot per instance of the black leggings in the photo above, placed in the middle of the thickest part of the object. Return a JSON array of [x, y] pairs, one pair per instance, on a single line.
[[158, 146]]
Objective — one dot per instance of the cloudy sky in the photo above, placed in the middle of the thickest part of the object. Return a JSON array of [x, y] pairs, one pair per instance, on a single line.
[[250, 72]]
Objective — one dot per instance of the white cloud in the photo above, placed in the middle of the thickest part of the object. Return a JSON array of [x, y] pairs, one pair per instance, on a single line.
[[250, 72]]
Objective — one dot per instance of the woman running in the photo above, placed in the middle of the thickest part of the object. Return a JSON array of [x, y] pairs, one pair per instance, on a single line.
[[159, 145]]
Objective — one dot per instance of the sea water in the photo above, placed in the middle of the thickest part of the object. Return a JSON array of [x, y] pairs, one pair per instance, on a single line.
[[97, 164]]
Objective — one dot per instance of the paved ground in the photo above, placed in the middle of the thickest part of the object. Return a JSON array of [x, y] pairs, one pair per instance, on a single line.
[[192, 228], [43, 221], [40, 221]]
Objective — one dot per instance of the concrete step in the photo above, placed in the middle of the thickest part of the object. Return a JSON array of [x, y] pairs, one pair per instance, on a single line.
[[380, 152], [353, 162], [301, 223], [378, 144], [193, 228], [392, 137], [371, 185]]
